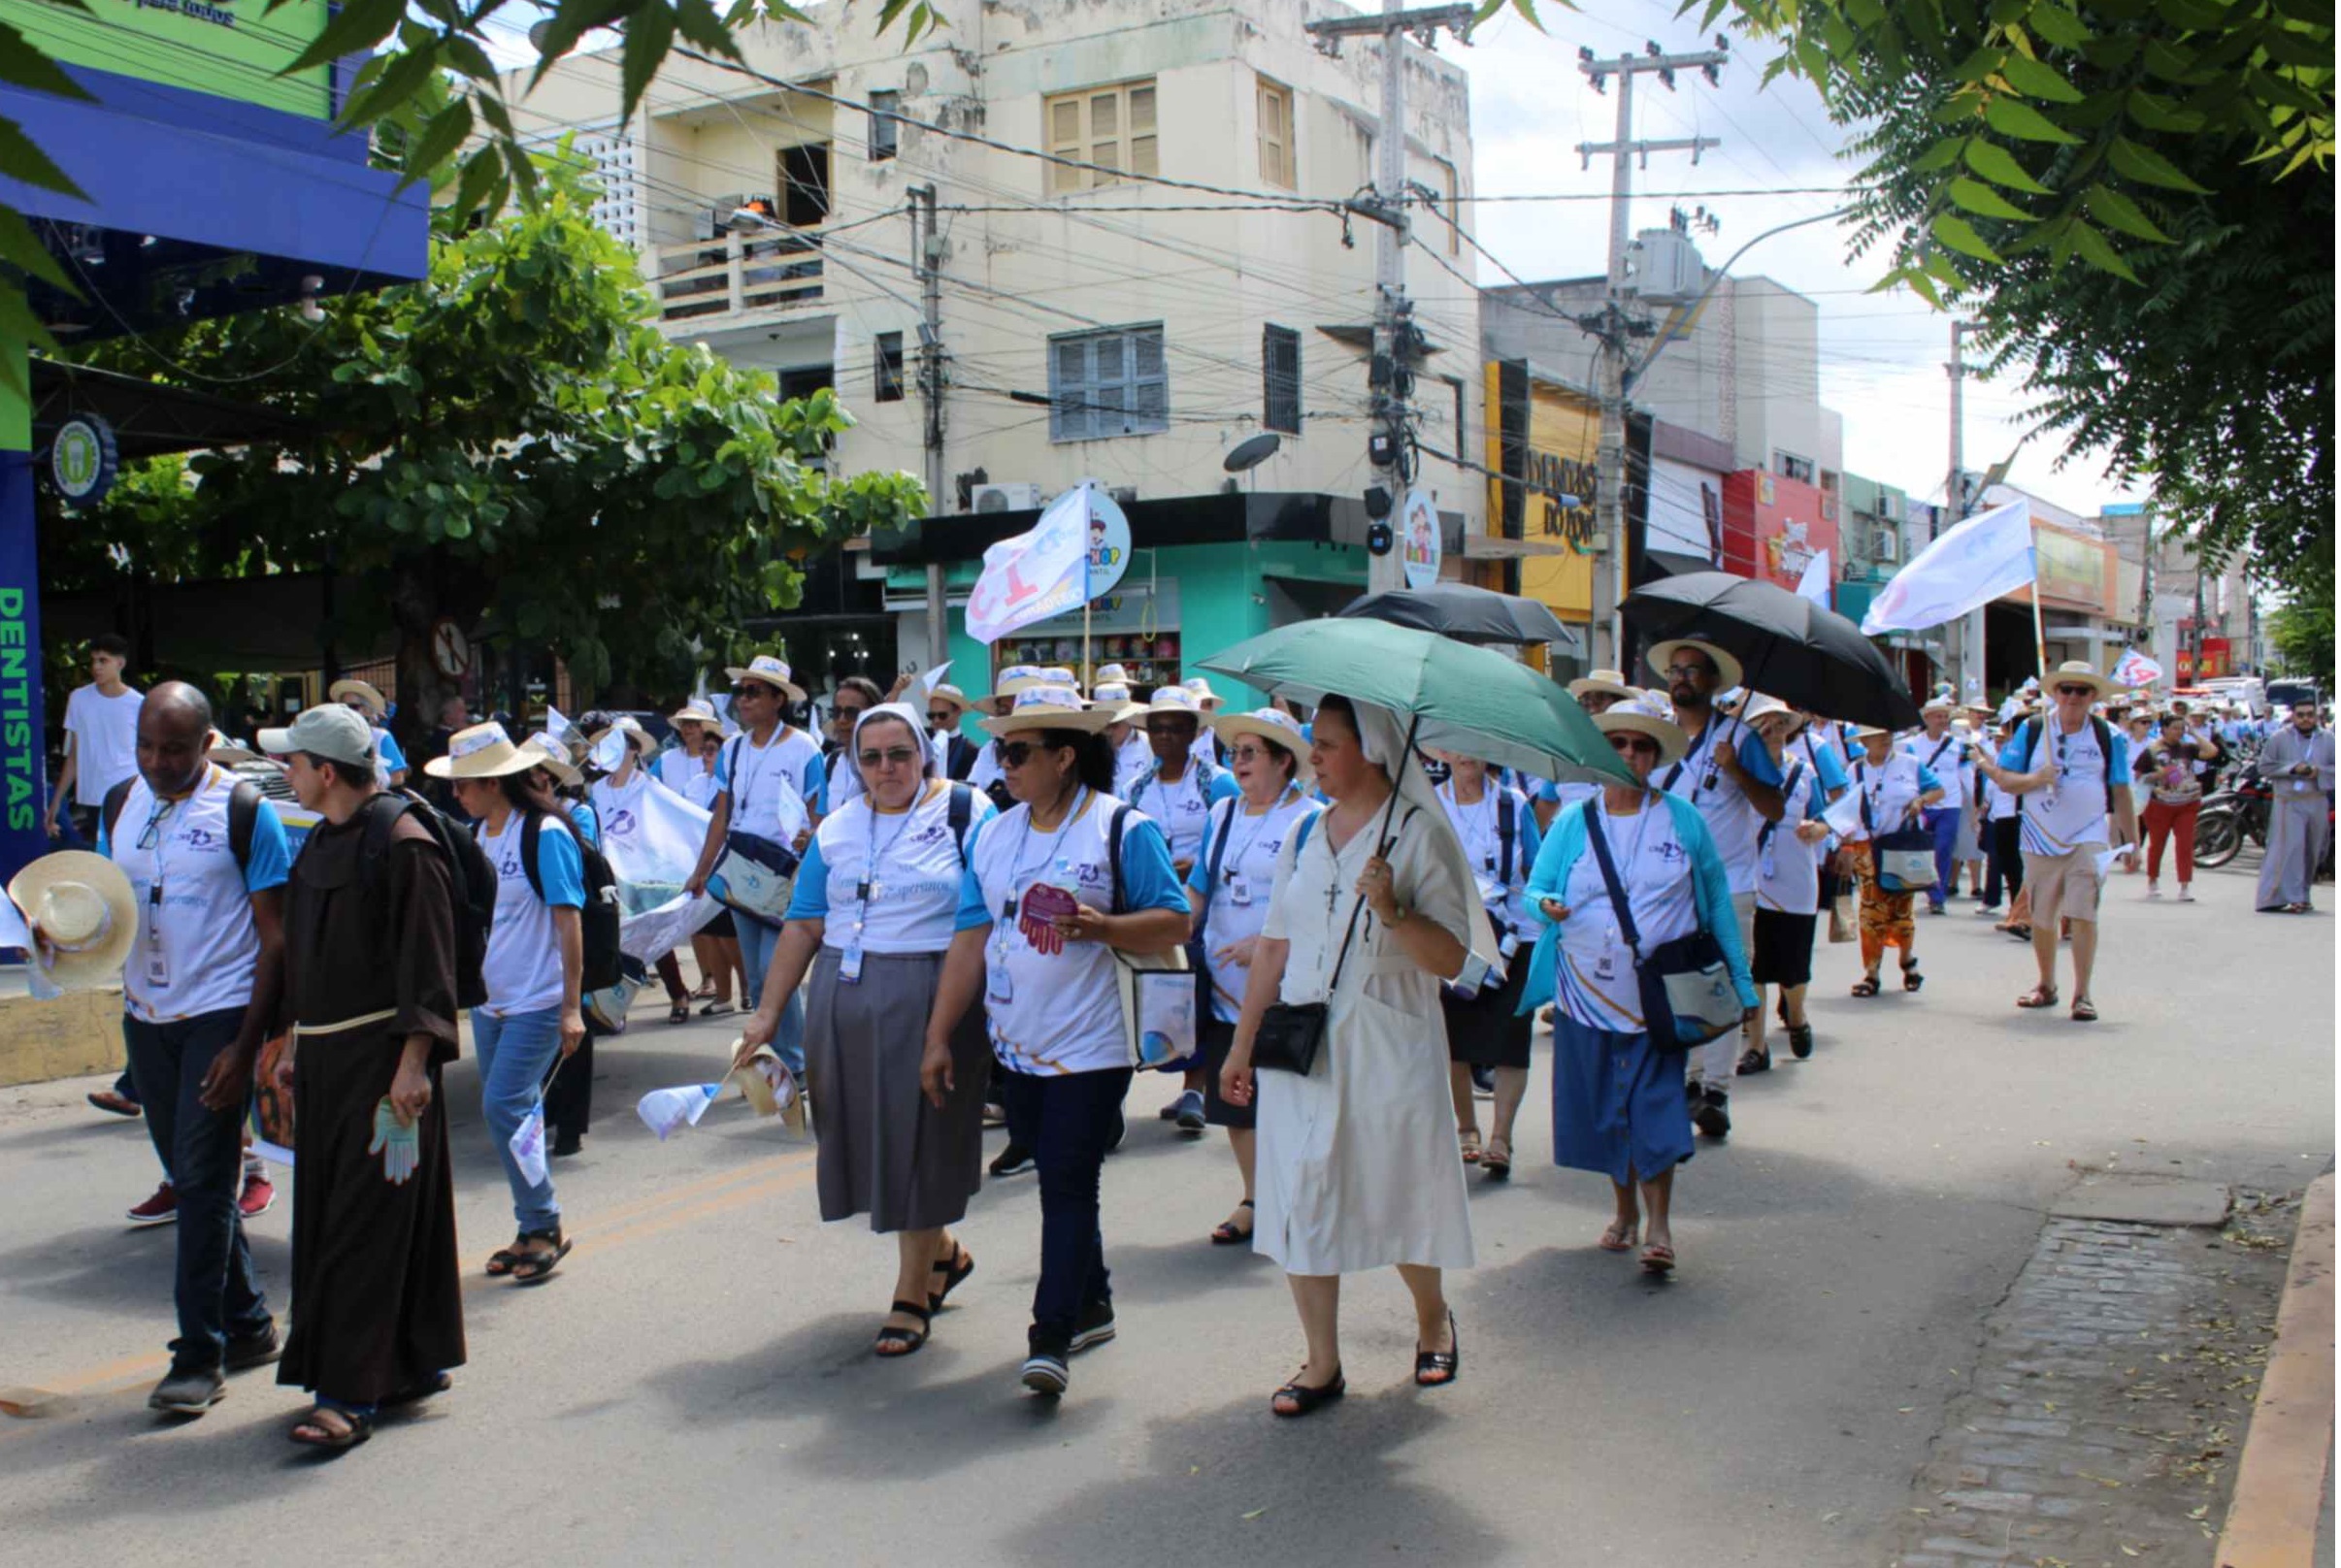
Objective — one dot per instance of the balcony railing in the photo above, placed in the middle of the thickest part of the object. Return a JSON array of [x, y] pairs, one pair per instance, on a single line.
[[738, 272]]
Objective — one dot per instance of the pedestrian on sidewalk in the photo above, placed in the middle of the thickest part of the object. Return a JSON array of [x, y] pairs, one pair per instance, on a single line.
[[1944, 755], [535, 960], [557, 787], [1487, 1029], [1235, 873], [1788, 889], [101, 752], [1358, 1163], [874, 913], [370, 993], [2297, 763], [2174, 800], [2072, 770], [1053, 887], [1621, 876], [1179, 793], [1896, 787], [2003, 832]]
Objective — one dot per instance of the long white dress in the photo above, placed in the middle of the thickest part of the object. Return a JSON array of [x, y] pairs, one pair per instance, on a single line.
[[1359, 1166]]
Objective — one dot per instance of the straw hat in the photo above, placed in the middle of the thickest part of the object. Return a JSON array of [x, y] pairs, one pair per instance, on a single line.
[[698, 711], [1049, 707], [1199, 689], [1109, 675], [227, 753], [1603, 683], [1671, 741], [1761, 706], [636, 736], [1269, 724], [86, 915], [1726, 668], [1940, 703], [2078, 672], [484, 751], [1116, 700], [342, 691], [951, 697], [1015, 679], [1175, 700], [556, 759], [1862, 732], [771, 671]]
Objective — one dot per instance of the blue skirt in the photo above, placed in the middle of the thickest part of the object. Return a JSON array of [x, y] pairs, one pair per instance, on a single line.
[[1618, 1105]]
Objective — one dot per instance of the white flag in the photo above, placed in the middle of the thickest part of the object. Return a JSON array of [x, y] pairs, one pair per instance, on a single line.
[[933, 678], [2136, 669], [1988, 555], [1814, 585], [528, 1146], [1035, 575], [665, 1110]]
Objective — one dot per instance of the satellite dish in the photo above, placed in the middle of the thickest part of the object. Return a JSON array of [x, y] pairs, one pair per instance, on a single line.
[[1251, 453]]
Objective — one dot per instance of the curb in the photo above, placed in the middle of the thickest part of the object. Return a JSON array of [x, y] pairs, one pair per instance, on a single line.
[[2280, 1480]]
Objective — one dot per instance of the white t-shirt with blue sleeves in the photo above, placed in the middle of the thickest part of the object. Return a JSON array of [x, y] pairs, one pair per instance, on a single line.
[[908, 861], [1788, 870], [197, 947], [1180, 809], [1733, 820], [2071, 811], [1480, 828], [1238, 901], [522, 969], [766, 783]]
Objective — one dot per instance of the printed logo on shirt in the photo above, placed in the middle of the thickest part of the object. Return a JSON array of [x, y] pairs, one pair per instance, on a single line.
[[1670, 851], [1090, 874], [509, 866], [935, 833], [621, 822], [202, 838]]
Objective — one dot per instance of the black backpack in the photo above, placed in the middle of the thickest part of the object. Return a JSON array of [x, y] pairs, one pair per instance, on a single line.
[[468, 867], [598, 920], [243, 810]]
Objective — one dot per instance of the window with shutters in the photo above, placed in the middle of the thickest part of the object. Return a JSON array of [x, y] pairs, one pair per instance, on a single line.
[[889, 368], [1277, 166], [1280, 380], [1113, 127], [1107, 383], [884, 128]]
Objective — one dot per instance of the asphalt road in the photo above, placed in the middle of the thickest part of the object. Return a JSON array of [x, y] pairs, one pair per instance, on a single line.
[[695, 1385]]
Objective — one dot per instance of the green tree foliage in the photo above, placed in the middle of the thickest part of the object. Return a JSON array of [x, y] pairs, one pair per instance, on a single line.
[[507, 437], [2303, 630], [2133, 199]]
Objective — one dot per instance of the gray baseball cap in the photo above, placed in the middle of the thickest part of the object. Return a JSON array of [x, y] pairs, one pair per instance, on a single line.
[[330, 730]]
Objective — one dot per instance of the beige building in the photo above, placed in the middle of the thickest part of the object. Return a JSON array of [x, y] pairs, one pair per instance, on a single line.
[[1092, 325]]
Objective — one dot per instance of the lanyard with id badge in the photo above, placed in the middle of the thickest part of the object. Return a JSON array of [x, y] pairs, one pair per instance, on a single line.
[[1035, 911], [151, 839], [850, 959]]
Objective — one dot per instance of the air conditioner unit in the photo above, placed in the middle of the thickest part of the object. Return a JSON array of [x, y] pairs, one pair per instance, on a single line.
[[1890, 507], [1007, 498], [1889, 545]]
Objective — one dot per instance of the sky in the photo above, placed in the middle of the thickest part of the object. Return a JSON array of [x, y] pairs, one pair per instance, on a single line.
[[1882, 355]]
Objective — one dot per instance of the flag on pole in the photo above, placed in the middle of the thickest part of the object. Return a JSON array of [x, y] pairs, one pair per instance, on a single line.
[[1037, 575], [1814, 585], [2136, 669], [1988, 555]]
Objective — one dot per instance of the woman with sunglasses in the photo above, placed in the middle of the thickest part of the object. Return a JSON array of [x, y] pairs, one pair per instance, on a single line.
[[1896, 787], [1235, 873], [873, 914], [1358, 1165], [1618, 1104], [1040, 913]]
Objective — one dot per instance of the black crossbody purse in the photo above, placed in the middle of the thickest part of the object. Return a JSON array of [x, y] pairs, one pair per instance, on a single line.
[[1290, 1034]]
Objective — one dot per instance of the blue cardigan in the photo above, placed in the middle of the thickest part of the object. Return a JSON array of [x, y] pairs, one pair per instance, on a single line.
[[1711, 888]]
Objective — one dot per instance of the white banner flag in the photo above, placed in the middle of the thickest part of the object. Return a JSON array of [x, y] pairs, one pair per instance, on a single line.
[[1988, 555], [1035, 575], [1814, 583], [651, 836], [2136, 669]]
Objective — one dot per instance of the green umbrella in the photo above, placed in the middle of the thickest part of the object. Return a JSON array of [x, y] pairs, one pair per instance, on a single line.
[[1457, 697]]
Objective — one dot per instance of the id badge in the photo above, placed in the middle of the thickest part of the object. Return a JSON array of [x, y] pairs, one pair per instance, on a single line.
[[1606, 967], [1240, 892], [996, 986], [849, 963], [1771, 866]]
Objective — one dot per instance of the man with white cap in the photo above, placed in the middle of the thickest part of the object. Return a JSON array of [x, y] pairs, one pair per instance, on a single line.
[[1948, 758], [1728, 775]]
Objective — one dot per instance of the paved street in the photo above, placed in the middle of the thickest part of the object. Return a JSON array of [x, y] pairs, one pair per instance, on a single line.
[[695, 1386]]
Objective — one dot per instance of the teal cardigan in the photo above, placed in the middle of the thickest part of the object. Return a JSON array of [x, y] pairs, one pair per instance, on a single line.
[[1711, 887]]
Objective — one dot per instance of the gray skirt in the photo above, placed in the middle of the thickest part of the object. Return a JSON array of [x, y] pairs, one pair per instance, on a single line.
[[884, 1151]]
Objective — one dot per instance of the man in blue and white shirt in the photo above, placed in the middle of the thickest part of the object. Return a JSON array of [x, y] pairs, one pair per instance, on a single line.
[[207, 863], [1945, 755]]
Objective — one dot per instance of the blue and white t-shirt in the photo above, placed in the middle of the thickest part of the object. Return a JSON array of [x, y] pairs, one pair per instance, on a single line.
[[1820, 748], [909, 863], [1788, 870], [522, 968], [1059, 1012], [197, 947], [1594, 964], [2071, 810], [1133, 762], [1892, 788], [1480, 828], [388, 758], [1733, 820], [1950, 760], [1180, 807], [766, 783], [1239, 900]]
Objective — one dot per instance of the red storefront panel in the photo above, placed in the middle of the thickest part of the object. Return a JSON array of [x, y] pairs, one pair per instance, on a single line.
[[1773, 527]]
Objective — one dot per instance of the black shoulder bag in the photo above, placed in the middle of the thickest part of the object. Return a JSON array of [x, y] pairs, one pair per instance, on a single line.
[[1290, 1034]]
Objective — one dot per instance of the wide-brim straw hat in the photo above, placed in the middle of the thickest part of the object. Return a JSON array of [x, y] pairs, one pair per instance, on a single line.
[[484, 751], [2080, 671], [697, 710], [1175, 700], [1727, 668], [1273, 724], [342, 691], [1015, 679], [1049, 707], [1115, 698], [774, 672], [1603, 683], [227, 753], [952, 697], [86, 913], [1862, 732], [1760, 706], [1671, 741], [556, 759], [1198, 688]]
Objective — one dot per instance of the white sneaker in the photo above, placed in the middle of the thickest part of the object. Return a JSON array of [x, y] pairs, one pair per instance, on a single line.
[[2185, 894], [2154, 889]]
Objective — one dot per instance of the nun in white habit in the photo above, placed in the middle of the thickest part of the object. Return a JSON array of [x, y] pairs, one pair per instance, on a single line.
[[1358, 1167]]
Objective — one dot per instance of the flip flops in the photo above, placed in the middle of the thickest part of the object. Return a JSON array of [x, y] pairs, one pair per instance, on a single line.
[[1617, 1239], [1658, 1259]]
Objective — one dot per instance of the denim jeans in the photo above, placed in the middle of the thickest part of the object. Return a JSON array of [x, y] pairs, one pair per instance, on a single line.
[[219, 1293], [757, 940], [1942, 820], [1075, 1118], [514, 1051]]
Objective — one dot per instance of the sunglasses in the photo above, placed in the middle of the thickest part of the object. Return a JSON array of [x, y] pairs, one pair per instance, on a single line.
[[755, 688], [941, 718], [891, 756], [850, 715], [1633, 743], [1016, 753], [2076, 691]]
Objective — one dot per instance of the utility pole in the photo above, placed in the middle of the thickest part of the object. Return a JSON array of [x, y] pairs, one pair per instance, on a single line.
[[926, 250], [1614, 330], [1395, 339], [1971, 652]]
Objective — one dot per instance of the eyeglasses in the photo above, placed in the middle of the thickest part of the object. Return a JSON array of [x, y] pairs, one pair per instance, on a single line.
[[891, 756], [1685, 672], [1634, 744], [1016, 753], [850, 715], [1248, 754]]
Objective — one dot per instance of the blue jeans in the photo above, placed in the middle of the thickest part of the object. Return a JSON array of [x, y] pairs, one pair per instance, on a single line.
[[514, 1051], [1942, 820], [757, 940], [1075, 1118], [218, 1292]]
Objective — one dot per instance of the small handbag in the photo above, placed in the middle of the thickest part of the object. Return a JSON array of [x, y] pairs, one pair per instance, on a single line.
[[1688, 997], [1904, 858], [1290, 1034], [755, 875]]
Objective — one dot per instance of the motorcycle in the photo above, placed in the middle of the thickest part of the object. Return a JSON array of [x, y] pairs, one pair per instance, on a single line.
[[2230, 816]]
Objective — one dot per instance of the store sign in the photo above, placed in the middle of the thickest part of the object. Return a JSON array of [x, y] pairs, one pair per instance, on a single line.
[[1419, 543], [1139, 606], [2074, 570], [82, 460], [229, 50], [22, 769], [1553, 474], [1109, 541]]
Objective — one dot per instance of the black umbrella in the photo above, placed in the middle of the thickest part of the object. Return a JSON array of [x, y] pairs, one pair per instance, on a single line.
[[1788, 646], [1466, 613]]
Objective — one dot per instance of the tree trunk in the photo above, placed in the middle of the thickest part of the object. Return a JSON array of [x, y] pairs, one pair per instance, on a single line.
[[425, 589]]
